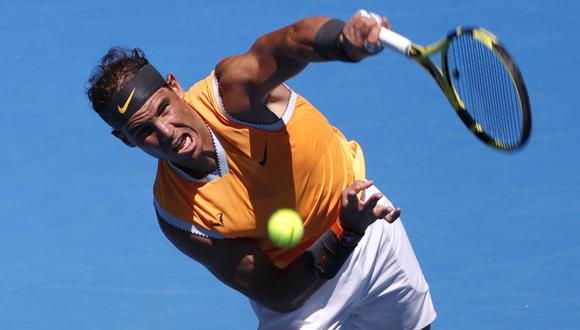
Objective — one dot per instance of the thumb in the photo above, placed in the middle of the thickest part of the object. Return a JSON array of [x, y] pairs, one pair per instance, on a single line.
[[394, 215]]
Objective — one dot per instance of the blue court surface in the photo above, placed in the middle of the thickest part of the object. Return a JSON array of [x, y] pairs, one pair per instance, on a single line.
[[497, 235]]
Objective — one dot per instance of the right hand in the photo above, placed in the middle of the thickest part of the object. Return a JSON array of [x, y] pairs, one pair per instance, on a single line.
[[356, 215]]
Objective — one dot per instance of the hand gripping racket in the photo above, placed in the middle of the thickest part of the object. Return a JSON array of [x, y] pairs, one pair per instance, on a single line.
[[480, 79]]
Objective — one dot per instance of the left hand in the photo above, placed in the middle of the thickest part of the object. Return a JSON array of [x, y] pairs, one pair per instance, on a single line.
[[356, 215]]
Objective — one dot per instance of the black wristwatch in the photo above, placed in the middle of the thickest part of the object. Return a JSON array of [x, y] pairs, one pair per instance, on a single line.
[[348, 238]]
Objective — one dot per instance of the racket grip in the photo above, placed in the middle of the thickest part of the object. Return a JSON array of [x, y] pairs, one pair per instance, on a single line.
[[395, 41]]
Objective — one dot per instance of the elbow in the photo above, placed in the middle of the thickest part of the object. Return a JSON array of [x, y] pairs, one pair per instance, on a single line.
[[282, 299]]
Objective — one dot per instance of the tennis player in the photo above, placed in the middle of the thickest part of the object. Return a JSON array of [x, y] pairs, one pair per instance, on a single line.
[[239, 145]]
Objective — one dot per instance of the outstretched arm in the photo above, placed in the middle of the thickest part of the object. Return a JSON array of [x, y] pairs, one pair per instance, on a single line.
[[249, 81], [242, 265]]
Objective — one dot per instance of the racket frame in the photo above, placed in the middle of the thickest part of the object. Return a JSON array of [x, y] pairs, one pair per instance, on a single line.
[[422, 55]]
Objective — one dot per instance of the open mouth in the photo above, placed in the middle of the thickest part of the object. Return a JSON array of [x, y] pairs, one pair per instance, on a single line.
[[184, 144]]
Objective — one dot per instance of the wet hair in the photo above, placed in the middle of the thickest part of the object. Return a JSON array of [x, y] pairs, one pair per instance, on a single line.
[[115, 69]]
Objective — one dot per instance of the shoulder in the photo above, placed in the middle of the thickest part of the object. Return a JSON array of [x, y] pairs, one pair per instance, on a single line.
[[237, 74], [246, 93], [197, 247]]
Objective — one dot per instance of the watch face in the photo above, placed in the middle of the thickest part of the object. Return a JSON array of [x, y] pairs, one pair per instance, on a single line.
[[349, 238]]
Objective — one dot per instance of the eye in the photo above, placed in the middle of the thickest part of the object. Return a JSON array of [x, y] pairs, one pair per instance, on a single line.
[[162, 109], [144, 131]]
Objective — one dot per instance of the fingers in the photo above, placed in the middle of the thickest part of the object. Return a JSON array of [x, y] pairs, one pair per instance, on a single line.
[[363, 24], [356, 214], [373, 37], [387, 213], [371, 30], [369, 21], [394, 215], [350, 195], [351, 200], [372, 201], [359, 185], [386, 23], [380, 21]]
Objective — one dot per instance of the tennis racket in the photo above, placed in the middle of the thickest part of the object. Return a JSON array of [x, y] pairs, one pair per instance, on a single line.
[[481, 81]]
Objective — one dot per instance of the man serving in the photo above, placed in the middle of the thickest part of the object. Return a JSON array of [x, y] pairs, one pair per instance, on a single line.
[[241, 144]]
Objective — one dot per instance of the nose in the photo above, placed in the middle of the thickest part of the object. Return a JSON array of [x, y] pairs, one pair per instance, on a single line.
[[163, 129]]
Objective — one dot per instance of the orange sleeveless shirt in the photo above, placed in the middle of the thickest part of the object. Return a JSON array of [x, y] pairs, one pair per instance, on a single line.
[[305, 165]]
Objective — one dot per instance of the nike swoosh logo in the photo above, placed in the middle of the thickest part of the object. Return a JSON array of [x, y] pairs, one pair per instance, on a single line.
[[220, 223], [126, 105], [265, 156]]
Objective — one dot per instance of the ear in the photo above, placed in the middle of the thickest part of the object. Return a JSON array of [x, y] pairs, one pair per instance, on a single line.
[[123, 138], [174, 85]]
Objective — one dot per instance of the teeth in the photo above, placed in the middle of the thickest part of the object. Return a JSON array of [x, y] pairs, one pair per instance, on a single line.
[[186, 143]]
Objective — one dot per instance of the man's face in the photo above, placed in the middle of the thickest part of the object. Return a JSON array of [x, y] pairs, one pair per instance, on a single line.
[[168, 128]]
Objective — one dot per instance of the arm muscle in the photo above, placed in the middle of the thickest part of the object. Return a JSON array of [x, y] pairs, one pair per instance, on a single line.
[[242, 265]]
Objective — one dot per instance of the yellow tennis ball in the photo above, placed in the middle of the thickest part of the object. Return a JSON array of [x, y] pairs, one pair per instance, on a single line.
[[285, 228]]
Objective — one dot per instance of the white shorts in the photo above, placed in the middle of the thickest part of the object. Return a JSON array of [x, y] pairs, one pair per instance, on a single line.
[[380, 286]]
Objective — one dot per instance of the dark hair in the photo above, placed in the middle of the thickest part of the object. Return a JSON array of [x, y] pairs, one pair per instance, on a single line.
[[114, 70]]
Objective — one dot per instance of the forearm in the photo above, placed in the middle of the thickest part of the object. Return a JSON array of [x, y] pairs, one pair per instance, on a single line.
[[299, 40], [279, 289], [286, 289], [314, 39], [244, 266], [247, 80]]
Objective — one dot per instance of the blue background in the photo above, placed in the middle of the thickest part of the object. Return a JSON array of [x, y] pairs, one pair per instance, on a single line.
[[496, 233]]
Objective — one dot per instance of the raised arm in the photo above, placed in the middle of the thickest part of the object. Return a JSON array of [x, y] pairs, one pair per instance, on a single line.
[[251, 81]]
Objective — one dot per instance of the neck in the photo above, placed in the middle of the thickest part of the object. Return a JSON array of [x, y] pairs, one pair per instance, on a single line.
[[206, 165]]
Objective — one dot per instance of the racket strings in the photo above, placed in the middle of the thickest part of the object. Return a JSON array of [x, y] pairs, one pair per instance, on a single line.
[[474, 92], [498, 123], [487, 89]]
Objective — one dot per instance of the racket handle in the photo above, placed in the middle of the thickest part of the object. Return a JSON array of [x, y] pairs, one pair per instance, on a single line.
[[395, 41]]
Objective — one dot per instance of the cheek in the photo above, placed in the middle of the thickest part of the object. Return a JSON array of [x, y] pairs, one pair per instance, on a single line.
[[155, 153], [185, 113], [150, 140], [150, 145]]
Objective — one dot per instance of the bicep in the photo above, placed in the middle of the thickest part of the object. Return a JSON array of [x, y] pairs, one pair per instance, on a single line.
[[267, 64], [246, 80], [244, 266]]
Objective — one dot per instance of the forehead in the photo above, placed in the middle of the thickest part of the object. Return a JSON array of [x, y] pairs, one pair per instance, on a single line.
[[154, 100], [151, 105], [162, 94]]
